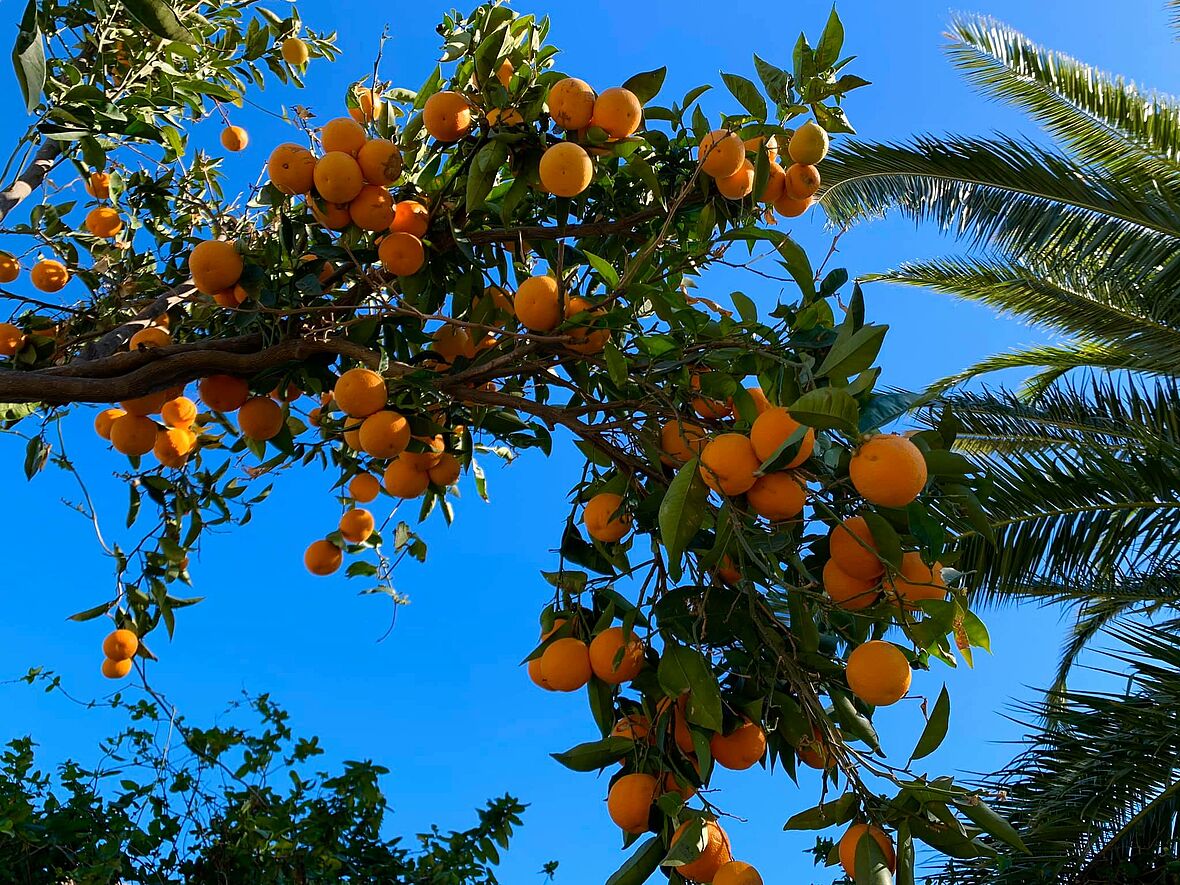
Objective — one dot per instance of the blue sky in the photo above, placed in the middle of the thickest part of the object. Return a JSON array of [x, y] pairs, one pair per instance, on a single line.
[[441, 701]]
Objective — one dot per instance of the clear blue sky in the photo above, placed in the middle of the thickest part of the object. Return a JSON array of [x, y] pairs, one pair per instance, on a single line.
[[441, 701]]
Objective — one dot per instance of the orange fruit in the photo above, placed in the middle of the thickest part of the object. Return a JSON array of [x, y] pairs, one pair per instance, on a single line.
[[363, 487], [104, 419], [681, 733], [115, 669], [808, 144], [411, 217], [380, 161], [295, 52], [214, 265], [429, 459], [761, 403], [737, 872], [98, 185], [916, 581], [450, 341], [504, 72], [728, 464], [537, 304], [504, 117], [714, 854], [721, 153], [404, 480], [234, 138], [360, 392], [852, 547], [846, 591], [617, 112], [133, 434], [802, 181], [9, 267], [673, 784], [790, 207], [372, 208], [629, 801], [753, 145], [566, 169], [888, 470], [447, 116], [291, 169], [338, 177], [852, 837], [103, 222], [741, 748], [368, 105], [777, 496], [446, 471], [12, 339], [401, 254], [878, 673], [179, 412], [260, 418], [148, 404], [120, 645], [322, 558], [706, 407], [586, 340], [738, 185], [815, 752], [384, 434], [680, 442], [356, 525], [333, 216], [635, 726], [352, 436], [173, 446], [601, 520], [151, 336], [773, 428], [565, 664], [776, 185], [49, 276], [537, 675], [604, 651], [223, 393], [343, 134], [571, 103]]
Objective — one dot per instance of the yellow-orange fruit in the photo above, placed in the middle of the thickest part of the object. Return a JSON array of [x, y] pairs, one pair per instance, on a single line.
[[673, 784], [777, 496], [737, 872], [846, 591], [634, 727], [789, 207], [322, 558], [333, 216], [404, 480], [715, 853], [728, 464], [368, 105], [338, 177], [360, 393], [537, 304], [721, 153], [352, 436], [356, 525], [9, 267], [916, 581], [753, 145], [451, 341], [12, 339], [410, 217], [680, 442], [815, 751], [738, 185], [104, 419], [852, 546], [214, 265], [385, 434], [343, 134], [537, 675], [773, 428], [447, 116], [504, 117], [363, 487], [372, 208], [741, 748], [120, 645], [617, 112], [295, 52], [604, 651], [115, 669], [802, 181], [681, 733], [291, 169], [401, 254], [234, 138], [852, 837], [148, 404], [425, 460], [504, 72], [103, 222], [566, 169], [260, 418], [179, 412], [878, 673], [446, 471], [223, 393], [888, 470], [151, 336], [808, 144], [706, 407], [571, 103], [629, 801], [585, 339], [601, 520], [49, 276], [380, 161], [174, 445], [133, 434], [98, 185], [566, 664], [776, 185]]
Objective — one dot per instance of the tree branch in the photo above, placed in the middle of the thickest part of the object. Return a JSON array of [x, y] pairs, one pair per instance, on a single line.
[[557, 232], [47, 156], [119, 336]]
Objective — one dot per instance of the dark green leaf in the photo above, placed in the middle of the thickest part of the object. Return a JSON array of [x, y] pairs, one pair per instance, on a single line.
[[160, 18], [747, 93], [595, 755], [681, 513], [824, 815], [827, 407], [936, 727], [28, 57], [647, 85]]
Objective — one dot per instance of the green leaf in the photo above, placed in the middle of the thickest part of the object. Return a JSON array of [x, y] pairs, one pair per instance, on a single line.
[[36, 454], [746, 307], [885, 408], [884, 537], [647, 85], [824, 815], [830, 43], [774, 78], [936, 727], [798, 264], [595, 755], [854, 724], [871, 866], [159, 17], [603, 268], [681, 513], [980, 814], [638, 868], [683, 669], [853, 353], [747, 93], [616, 363], [905, 854], [827, 407], [28, 57], [482, 176], [91, 613]]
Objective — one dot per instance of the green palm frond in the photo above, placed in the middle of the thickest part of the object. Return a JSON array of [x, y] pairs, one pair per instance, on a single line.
[[1103, 120]]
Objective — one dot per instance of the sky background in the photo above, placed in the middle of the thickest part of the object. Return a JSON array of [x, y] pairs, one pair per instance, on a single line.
[[442, 701]]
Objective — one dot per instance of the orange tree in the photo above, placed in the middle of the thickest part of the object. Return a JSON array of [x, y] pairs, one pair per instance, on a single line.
[[457, 272]]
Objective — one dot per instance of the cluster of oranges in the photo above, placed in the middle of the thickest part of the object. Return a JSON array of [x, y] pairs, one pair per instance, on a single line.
[[118, 649]]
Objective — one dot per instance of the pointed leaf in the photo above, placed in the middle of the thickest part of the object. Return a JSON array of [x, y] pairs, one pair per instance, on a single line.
[[936, 727]]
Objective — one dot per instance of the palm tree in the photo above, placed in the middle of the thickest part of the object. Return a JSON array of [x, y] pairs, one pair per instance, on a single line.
[[1078, 233]]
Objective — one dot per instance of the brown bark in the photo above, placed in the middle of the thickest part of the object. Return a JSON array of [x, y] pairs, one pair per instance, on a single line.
[[47, 156]]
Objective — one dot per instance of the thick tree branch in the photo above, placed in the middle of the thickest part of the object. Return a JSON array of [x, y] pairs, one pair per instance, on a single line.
[[47, 156]]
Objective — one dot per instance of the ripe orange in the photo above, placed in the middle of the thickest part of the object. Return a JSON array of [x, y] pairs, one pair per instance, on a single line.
[[103, 222], [846, 591], [715, 853], [151, 336], [9, 267], [601, 520], [148, 404], [214, 265], [504, 117], [380, 161], [360, 392], [411, 217], [741, 748], [333, 216], [537, 675], [752, 146], [120, 645], [737, 872], [565, 664], [223, 393], [429, 459], [338, 177], [363, 487], [49, 276], [917, 581], [504, 71], [291, 169], [629, 801], [777, 496], [133, 434], [738, 185], [776, 185], [12, 339], [537, 304], [878, 673], [815, 752], [372, 208], [447, 116], [356, 525], [706, 407], [260, 418], [173, 446], [852, 837], [446, 471], [115, 669], [352, 435], [404, 480], [295, 52], [179, 412], [773, 428], [322, 557], [635, 726], [98, 185], [852, 547], [728, 464], [802, 181], [104, 419], [680, 442], [450, 341], [674, 784], [604, 651], [343, 134], [234, 138], [566, 169], [384, 434], [586, 340], [789, 207], [721, 153], [368, 105], [617, 111], [888, 470], [571, 103], [401, 254]]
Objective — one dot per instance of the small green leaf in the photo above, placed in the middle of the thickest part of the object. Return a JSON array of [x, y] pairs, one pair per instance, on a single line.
[[647, 85], [28, 57], [603, 268], [746, 308], [595, 755], [681, 513], [824, 815], [871, 866], [854, 724], [853, 353], [936, 727]]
